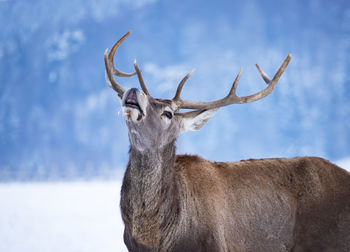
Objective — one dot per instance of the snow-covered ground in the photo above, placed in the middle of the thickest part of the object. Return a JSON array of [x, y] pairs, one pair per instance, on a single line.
[[67, 216]]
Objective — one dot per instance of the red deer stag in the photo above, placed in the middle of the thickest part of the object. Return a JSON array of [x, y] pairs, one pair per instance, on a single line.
[[182, 203]]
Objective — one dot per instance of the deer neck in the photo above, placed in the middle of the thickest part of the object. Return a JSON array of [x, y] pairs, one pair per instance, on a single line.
[[149, 194]]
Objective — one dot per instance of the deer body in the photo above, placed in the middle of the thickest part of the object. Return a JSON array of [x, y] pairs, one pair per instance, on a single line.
[[254, 205], [185, 203]]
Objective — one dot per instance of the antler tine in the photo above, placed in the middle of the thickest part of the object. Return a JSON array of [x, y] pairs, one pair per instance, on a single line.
[[263, 75], [112, 83], [111, 57], [235, 83], [142, 82], [232, 98], [110, 69], [181, 84]]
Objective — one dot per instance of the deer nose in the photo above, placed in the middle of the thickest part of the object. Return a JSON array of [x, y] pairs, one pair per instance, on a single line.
[[131, 95], [133, 91]]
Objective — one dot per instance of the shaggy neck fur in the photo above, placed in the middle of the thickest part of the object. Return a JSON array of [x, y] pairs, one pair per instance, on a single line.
[[149, 198]]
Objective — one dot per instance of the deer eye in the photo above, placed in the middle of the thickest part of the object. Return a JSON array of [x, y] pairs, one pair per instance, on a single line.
[[168, 114]]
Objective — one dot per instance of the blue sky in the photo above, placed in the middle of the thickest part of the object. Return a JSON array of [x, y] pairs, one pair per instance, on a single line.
[[58, 118]]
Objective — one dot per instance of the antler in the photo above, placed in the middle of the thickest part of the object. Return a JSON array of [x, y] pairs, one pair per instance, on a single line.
[[139, 76], [232, 97], [110, 69]]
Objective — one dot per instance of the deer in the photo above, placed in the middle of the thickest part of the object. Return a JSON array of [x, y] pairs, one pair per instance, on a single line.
[[173, 202]]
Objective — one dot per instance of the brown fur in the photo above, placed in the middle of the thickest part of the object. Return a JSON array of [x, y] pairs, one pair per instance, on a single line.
[[298, 204]]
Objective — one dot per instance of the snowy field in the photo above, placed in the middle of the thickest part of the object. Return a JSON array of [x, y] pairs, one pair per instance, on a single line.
[[57, 217], [67, 216]]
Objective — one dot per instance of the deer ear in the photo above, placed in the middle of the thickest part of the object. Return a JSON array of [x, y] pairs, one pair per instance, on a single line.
[[195, 120]]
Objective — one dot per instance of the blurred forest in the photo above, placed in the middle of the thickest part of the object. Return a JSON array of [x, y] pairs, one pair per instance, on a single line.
[[59, 120]]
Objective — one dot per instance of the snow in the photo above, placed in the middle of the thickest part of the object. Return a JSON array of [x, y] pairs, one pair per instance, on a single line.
[[65, 216]]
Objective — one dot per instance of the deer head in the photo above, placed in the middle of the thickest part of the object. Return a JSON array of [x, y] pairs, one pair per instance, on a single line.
[[153, 122]]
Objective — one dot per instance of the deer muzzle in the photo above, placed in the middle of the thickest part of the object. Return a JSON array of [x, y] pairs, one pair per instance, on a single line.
[[134, 104]]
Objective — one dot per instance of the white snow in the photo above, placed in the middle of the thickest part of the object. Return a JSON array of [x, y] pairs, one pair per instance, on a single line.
[[67, 216]]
